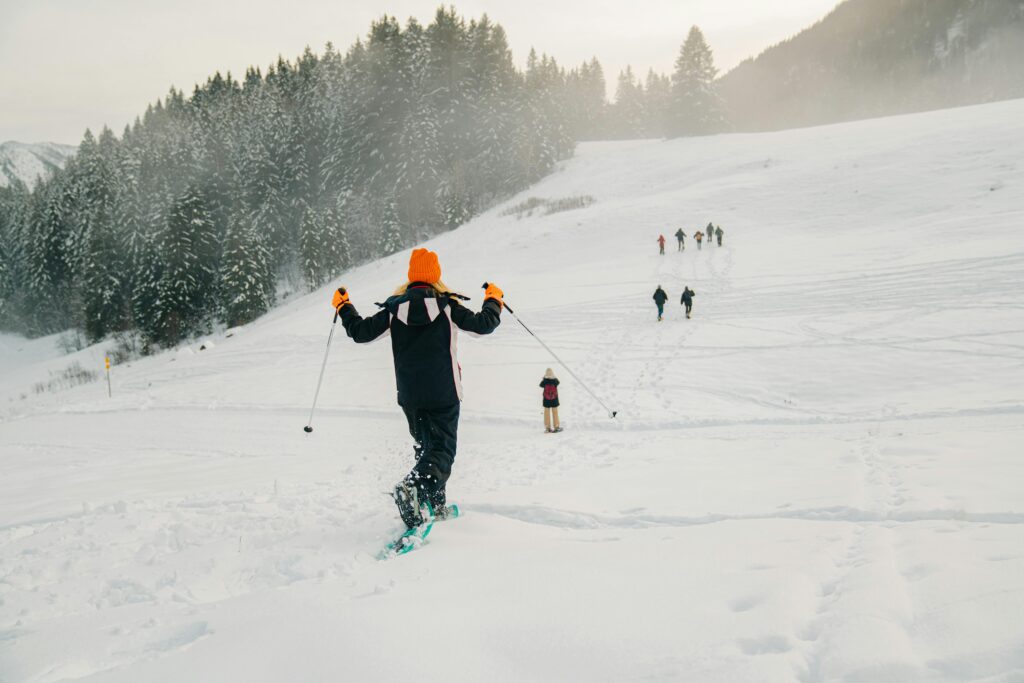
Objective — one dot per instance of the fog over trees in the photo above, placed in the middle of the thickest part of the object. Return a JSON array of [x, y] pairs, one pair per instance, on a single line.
[[211, 204]]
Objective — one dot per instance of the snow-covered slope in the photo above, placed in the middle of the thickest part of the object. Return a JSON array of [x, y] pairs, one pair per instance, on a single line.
[[816, 478], [30, 162]]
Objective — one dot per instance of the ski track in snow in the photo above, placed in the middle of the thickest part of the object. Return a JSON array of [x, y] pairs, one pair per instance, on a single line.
[[816, 478]]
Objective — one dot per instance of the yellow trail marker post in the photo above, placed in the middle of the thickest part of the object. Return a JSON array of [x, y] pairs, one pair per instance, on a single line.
[[107, 362]]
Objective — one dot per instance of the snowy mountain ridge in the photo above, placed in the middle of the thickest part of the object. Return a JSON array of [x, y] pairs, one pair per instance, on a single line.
[[816, 478], [28, 163], [870, 58]]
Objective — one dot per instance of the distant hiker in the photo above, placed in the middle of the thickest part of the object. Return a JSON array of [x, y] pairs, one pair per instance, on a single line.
[[687, 300], [699, 236], [661, 244], [709, 232], [681, 239], [718, 233], [550, 386], [423, 317], [660, 297]]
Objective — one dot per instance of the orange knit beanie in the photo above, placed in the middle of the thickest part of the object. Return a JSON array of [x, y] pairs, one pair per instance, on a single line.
[[424, 267]]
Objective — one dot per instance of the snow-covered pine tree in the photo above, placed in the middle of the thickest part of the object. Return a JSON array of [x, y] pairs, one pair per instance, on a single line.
[[657, 104], [129, 209], [544, 137], [696, 107], [314, 250], [493, 107], [49, 255], [628, 112], [391, 239], [246, 287], [335, 247], [145, 293], [102, 283], [185, 286], [587, 101], [418, 174], [14, 202]]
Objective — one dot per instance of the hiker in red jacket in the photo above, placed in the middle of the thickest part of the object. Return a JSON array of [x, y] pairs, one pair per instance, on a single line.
[[661, 244]]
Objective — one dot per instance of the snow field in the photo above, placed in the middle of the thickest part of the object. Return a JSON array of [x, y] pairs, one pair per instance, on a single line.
[[817, 478]]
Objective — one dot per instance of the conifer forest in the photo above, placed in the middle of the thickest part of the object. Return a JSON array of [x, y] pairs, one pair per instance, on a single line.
[[214, 204]]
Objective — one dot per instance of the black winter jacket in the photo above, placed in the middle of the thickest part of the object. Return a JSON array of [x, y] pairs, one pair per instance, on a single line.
[[660, 297], [424, 330], [687, 296]]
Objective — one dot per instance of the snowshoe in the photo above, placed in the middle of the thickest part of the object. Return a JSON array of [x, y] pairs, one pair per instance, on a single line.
[[407, 499], [556, 429]]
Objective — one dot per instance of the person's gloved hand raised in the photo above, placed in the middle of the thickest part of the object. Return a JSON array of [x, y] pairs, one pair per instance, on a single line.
[[493, 291], [340, 299]]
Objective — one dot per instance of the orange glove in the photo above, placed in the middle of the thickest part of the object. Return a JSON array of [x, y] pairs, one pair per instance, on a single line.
[[493, 291], [340, 299]]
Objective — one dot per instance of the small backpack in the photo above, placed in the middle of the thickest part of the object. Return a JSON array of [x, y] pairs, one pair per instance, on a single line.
[[550, 392]]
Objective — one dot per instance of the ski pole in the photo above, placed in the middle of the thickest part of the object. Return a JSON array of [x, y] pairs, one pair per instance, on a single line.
[[611, 413], [309, 425]]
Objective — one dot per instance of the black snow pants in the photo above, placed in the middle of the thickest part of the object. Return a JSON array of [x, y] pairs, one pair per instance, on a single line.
[[435, 433]]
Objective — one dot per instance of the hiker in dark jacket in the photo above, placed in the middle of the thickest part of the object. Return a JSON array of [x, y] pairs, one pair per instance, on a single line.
[[709, 232], [680, 239], [550, 386], [687, 300], [718, 233], [660, 297], [699, 236], [424, 317]]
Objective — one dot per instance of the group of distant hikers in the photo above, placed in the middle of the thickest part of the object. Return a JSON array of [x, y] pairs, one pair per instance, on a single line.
[[660, 297], [712, 232]]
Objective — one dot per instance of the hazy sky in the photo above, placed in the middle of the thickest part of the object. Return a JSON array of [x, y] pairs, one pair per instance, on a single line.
[[66, 65]]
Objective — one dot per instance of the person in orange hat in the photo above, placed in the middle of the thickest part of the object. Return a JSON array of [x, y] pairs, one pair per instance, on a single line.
[[424, 317]]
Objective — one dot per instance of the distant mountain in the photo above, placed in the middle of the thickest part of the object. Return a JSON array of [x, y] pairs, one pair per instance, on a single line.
[[878, 57], [28, 163]]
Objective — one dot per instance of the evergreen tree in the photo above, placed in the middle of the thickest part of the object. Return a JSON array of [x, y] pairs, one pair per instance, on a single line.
[[696, 107], [335, 245], [246, 284], [103, 268], [628, 114], [391, 230], [185, 284], [657, 104], [316, 164], [315, 250], [14, 202], [588, 107]]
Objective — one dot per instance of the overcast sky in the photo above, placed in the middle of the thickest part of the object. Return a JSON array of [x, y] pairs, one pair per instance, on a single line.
[[68, 65]]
